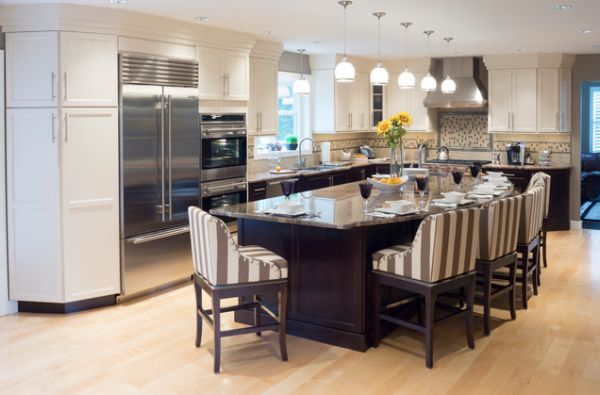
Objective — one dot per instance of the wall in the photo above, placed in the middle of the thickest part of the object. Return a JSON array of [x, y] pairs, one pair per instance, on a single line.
[[586, 69]]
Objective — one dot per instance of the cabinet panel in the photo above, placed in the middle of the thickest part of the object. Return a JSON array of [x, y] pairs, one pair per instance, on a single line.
[[524, 103], [32, 202], [262, 108], [397, 99], [565, 100], [89, 69], [358, 102], [343, 116], [417, 109], [236, 75], [500, 91], [90, 203], [211, 82], [548, 100], [31, 69]]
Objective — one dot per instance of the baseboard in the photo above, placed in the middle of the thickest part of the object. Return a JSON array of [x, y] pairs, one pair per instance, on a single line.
[[8, 308], [576, 225], [66, 308]]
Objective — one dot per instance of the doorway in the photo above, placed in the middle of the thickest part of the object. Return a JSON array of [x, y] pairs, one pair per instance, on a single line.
[[590, 155]]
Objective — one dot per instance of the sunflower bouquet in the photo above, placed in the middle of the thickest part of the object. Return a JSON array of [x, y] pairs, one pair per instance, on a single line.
[[393, 129]]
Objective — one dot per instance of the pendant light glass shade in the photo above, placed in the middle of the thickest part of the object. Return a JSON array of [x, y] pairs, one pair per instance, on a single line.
[[428, 83], [448, 86], [344, 71], [379, 75], [406, 79], [301, 86]]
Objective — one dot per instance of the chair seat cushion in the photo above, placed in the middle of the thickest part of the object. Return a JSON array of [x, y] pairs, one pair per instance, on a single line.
[[259, 264], [391, 260]]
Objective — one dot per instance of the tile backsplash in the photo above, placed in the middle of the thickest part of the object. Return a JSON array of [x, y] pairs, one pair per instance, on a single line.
[[460, 130]]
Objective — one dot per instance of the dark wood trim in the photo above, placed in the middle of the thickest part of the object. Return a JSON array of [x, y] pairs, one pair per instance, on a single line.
[[67, 308]]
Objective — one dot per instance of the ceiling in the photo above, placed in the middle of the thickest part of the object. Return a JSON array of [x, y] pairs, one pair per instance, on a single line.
[[479, 26]]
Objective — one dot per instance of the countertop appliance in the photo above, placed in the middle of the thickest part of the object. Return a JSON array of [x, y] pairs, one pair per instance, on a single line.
[[222, 193], [223, 145], [160, 151], [515, 153], [544, 157], [367, 151], [443, 153]]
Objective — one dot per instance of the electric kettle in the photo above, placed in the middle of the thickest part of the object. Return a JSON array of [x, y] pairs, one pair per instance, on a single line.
[[443, 153]]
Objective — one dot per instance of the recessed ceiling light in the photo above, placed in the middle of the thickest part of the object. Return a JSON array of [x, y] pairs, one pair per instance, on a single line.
[[317, 42], [563, 7], [584, 31], [521, 49], [203, 18], [597, 46], [117, 1], [268, 32]]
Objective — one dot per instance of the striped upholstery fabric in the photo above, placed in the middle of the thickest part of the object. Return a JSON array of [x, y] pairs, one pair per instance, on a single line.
[[219, 260], [499, 228], [445, 246], [532, 214], [541, 178]]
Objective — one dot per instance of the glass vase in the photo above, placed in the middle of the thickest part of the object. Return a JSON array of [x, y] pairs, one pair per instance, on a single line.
[[396, 161]]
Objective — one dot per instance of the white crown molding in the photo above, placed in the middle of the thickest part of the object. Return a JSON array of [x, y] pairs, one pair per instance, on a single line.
[[394, 66], [70, 17], [267, 50], [552, 60]]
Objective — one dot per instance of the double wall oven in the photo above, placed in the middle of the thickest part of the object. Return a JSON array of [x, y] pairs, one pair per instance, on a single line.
[[223, 160]]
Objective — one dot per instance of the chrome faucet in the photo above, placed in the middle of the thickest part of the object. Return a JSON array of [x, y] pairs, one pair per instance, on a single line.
[[423, 147], [301, 162]]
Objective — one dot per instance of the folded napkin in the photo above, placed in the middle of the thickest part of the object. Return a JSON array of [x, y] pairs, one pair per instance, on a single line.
[[443, 203]]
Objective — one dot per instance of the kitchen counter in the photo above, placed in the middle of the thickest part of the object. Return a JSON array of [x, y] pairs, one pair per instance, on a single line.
[[329, 257]]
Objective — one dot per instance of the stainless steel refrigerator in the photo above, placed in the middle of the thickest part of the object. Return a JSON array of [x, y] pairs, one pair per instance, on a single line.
[[160, 170]]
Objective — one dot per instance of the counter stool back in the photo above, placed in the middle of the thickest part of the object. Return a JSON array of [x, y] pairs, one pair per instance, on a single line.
[[440, 259], [225, 270], [499, 230], [541, 178]]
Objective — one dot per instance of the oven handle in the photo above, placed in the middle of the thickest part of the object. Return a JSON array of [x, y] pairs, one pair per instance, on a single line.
[[221, 134], [159, 235], [225, 188]]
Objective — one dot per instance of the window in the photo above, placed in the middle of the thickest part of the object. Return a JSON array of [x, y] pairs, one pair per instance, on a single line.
[[595, 119]]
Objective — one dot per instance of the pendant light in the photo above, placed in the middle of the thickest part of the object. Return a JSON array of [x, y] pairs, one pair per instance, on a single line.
[[448, 86], [406, 79], [344, 71], [428, 83], [379, 75], [301, 86]]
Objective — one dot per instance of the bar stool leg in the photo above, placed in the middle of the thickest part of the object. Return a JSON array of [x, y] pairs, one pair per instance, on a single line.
[[512, 293], [376, 306], [524, 270], [198, 292], [256, 299], [536, 269], [216, 302], [487, 299], [544, 235], [430, 299], [282, 322], [469, 315]]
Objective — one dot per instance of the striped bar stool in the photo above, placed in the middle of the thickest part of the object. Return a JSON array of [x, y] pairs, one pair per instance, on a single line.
[[499, 229], [532, 215], [441, 259], [224, 270], [541, 178]]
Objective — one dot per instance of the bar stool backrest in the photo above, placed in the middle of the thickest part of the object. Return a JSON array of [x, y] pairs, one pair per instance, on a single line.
[[445, 246], [499, 228], [541, 178], [214, 251], [532, 214]]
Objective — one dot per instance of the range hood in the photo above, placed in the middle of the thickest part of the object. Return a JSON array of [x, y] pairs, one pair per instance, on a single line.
[[470, 76]]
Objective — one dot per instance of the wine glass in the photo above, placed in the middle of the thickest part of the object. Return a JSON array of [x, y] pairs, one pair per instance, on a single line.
[[422, 183], [365, 192], [457, 176], [475, 169], [287, 187]]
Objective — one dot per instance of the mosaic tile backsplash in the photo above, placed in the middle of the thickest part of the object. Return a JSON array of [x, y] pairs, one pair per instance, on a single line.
[[462, 130]]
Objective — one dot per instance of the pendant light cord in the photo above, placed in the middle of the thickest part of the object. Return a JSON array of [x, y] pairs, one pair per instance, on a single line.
[[406, 25], [379, 39], [345, 5]]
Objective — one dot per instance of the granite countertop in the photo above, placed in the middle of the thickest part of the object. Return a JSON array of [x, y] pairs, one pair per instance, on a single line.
[[527, 167], [341, 207], [266, 176]]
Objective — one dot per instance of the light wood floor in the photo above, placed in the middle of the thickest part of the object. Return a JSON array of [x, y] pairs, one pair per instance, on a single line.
[[148, 347]]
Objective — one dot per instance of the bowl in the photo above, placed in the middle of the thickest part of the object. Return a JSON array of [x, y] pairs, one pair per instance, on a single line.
[[498, 180], [291, 146], [345, 155], [386, 186], [289, 206], [485, 188], [454, 197], [400, 206]]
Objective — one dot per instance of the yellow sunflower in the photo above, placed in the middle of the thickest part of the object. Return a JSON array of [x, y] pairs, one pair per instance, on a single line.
[[404, 118], [383, 127]]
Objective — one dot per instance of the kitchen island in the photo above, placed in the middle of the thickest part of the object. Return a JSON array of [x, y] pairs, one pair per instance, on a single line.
[[329, 256]]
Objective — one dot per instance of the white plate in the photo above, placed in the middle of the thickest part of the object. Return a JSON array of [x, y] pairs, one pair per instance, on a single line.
[[461, 203], [387, 210], [284, 213]]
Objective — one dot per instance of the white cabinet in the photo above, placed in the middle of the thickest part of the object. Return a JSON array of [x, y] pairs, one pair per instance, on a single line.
[[411, 101], [89, 67], [85, 76], [31, 69], [513, 100], [32, 148], [222, 75], [90, 202], [262, 107], [554, 97], [564, 95], [358, 102], [343, 114]]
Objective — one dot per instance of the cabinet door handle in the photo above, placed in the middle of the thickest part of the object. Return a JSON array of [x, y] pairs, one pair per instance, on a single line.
[[53, 128], [53, 83], [261, 121], [66, 128], [224, 84], [362, 120], [508, 121], [65, 85], [563, 123], [330, 181], [227, 82], [258, 121]]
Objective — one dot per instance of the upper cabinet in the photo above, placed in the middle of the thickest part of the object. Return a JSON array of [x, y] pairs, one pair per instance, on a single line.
[[223, 75], [45, 66], [262, 108], [529, 93], [411, 101]]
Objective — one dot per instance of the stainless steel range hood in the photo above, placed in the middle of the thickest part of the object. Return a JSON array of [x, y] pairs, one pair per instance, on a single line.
[[470, 76]]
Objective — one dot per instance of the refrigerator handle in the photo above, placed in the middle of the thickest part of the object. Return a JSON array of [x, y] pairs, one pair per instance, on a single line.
[[169, 131], [162, 154]]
